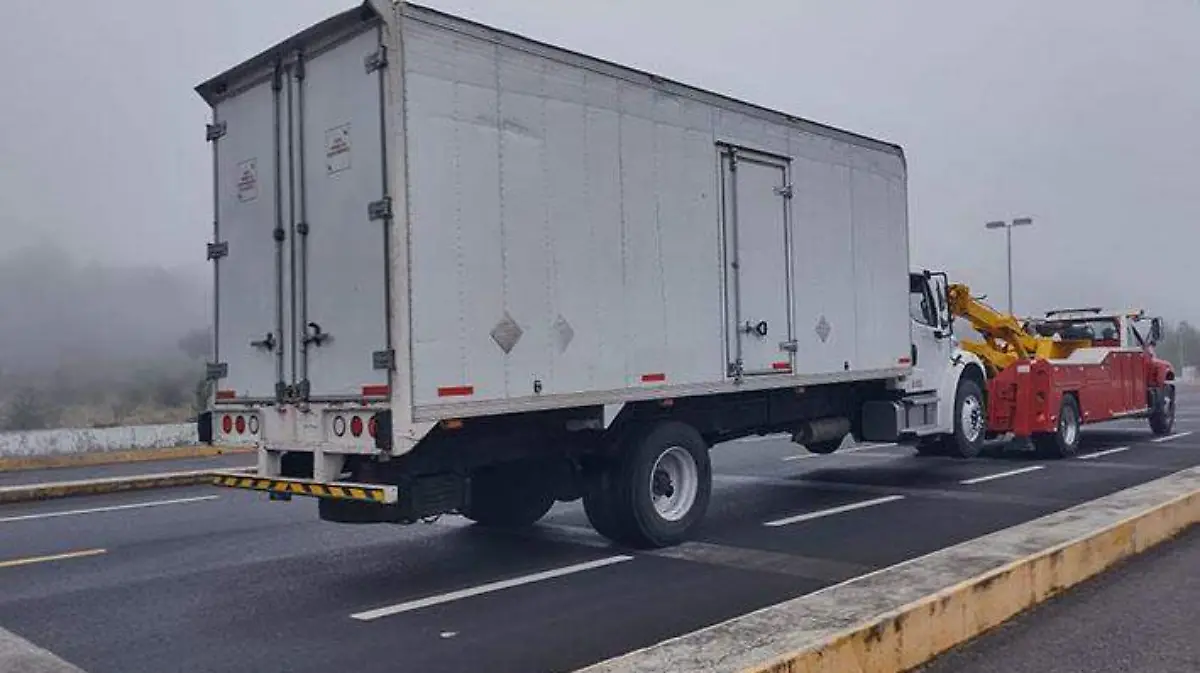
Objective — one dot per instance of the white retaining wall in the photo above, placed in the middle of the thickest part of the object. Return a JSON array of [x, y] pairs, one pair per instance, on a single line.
[[70, 441]]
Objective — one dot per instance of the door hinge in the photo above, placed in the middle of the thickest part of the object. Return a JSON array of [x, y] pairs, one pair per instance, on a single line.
[[381, 209], [215, 371], [376, 59], [218, 250], [790, 346], [785, 191], [385, 360], [736, 370], [214, 131]]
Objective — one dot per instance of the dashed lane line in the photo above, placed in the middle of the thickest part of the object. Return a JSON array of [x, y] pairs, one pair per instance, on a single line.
[[53, 557], [1001, 475], [409, 606], [809, 516], [1168, 438], [1101, 454]]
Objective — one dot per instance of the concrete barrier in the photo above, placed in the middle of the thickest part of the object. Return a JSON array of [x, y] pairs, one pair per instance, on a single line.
[[44, 443], [898, 618]]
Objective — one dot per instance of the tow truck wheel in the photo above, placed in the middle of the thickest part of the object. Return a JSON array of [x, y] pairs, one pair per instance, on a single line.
[[1162, 418], [1064, 441], [970, 421], [655, 491], [508, 496]]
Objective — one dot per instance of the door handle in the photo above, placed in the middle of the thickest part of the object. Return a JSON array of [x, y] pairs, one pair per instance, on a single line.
[[267, 343], [317, 337], [760, 329]]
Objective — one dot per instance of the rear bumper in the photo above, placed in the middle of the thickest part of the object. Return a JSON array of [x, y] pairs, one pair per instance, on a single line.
[[333, 490]]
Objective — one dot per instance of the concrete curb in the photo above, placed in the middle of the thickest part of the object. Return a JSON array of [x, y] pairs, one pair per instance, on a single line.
[[64, 489], [18, 655], [14, 463], [900, 617]]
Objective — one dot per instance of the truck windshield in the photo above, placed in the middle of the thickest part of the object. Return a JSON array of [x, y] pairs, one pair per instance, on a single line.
[[1104, 331]]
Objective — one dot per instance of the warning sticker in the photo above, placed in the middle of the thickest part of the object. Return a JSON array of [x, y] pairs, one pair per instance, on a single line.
[[247, 180], [337, 149]]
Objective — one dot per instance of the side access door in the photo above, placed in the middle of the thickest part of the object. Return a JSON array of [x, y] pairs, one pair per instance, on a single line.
[[755, 194], [342, 224]]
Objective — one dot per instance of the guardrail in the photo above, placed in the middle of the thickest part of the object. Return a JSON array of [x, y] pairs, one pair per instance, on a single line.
[[76, 441]]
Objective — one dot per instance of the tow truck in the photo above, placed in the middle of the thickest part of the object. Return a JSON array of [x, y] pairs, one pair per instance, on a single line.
[[1048, 376]]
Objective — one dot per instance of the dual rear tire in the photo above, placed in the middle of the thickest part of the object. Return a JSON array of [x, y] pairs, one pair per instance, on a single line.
[[654, 490]]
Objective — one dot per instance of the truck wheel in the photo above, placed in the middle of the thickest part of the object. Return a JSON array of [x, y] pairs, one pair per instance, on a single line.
[[656, 490], [1162, 418], [508, 496], [970, 422], [1064, 441]]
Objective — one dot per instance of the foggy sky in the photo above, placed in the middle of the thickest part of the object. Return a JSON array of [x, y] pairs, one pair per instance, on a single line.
[[1083, 114]]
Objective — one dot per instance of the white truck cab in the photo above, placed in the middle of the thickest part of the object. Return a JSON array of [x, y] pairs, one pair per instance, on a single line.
[[943, 409]]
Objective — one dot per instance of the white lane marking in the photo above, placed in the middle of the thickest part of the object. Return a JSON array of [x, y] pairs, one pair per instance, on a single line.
[[855, 449], [1109, 452], [762, 438], [1168, 438], [409, 606], [1002, 475], [831, 511], [113, 508], [53, 557]]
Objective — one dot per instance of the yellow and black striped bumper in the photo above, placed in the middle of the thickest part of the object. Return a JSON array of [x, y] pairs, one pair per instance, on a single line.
[[384, 495]]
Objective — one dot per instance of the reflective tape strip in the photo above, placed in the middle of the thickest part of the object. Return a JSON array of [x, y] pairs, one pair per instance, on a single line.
[[345, 492]]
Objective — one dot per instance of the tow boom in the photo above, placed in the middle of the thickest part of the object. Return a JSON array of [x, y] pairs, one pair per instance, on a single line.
[[1005, 339]]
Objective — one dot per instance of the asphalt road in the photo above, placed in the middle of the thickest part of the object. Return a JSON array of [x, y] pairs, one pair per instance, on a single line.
[[1137, 618], [201, 579]]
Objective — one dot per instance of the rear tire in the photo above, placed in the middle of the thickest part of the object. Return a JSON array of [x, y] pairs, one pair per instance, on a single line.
[[1064, 441], [1162, 418], [655, 491], [514, 495]]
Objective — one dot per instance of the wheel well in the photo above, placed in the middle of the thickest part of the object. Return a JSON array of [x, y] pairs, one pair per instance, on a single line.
[[975, 373]]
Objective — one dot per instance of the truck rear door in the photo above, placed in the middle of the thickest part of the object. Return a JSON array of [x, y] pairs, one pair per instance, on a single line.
[[249, 322], [342, 261], [301, 241]]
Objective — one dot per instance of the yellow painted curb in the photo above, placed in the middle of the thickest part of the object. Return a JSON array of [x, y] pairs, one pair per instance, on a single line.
[[64, 489], [915, 634], [894, 619], [13, 464]]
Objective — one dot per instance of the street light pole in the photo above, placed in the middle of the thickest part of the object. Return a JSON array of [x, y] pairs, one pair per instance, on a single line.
[[1008, 227]]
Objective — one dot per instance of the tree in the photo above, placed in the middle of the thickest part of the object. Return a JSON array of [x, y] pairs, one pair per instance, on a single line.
[[1180, 345], [197, 344], [30, 409]]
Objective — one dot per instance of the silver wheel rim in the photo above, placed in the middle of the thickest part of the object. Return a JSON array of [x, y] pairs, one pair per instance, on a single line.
[[1070, 427], [971, 418], [674, 482]]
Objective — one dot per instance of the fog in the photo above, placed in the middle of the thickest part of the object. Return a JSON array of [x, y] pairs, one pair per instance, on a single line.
[[1078, 113]]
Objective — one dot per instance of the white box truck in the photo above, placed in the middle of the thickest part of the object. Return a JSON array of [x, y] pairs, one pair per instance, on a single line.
[[460, 271]]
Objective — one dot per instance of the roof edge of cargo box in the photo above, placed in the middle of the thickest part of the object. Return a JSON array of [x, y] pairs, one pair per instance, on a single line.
[[364, 13]]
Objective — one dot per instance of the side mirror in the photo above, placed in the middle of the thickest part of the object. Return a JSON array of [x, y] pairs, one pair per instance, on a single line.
[[1156, 330]]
